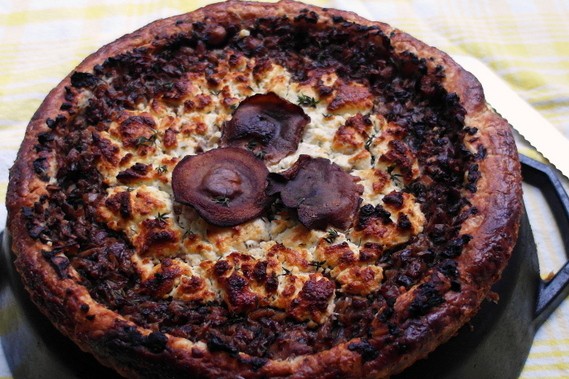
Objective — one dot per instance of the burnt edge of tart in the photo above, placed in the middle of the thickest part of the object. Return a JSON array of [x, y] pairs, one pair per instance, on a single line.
[[491, 231]]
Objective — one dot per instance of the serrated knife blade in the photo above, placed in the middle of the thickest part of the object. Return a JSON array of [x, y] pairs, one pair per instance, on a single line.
[[548, 140]]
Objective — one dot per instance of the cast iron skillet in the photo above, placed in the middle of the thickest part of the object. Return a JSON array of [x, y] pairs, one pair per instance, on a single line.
[[495, 344]]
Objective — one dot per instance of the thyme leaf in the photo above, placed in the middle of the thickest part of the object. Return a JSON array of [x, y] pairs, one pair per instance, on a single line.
[[223, 200], [331, 236], [318, 265], [146, 141], [395, 178], [162, 217], [307, 101]]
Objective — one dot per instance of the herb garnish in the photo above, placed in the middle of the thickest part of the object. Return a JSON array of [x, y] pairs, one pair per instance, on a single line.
[[307, 101], [318, 265], [146, 141], [162, 217], [395, 178], [222, 200], [331, 236]]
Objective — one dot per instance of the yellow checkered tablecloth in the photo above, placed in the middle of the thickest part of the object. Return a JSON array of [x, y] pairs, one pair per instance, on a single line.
[[524, 42]]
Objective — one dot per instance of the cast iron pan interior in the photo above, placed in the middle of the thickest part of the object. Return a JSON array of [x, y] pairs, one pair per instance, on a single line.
[[495, 344]]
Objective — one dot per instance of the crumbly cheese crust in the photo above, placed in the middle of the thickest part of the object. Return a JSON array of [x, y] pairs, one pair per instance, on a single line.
[[127, 272]]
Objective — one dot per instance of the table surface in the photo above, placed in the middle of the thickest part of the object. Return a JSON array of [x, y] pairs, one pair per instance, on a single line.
[[525, 42]]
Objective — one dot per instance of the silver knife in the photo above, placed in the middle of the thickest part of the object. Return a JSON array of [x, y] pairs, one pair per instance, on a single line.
[[547, 139]]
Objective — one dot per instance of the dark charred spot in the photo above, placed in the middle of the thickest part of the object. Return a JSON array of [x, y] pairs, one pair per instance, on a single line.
[[238, 293], [365, 349], [109, 151], [221, 267], [41, 166], [368, 212], [83, 79], [481, 153], [470, 130], [66, 106], [59, 262], [394, 198], [120, 203], [272, 283], [449, 268], [427, 296], [472, 177], [260, 271], [255, 362], [134, 173], [155, 342], [46, 137], [456, 245], [53, 123], [307, 16], [216, 343], [338, 19], [313, 297], [403, 222]]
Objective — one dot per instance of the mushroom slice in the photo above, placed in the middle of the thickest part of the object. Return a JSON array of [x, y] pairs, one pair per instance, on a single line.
[[226, 185], [321, 192], [266, 124]]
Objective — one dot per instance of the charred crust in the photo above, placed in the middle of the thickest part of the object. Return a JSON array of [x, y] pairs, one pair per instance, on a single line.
[[427, 296], [368, 213], [394, 199], [134, 173], [365, 349], [83, 79], [313, 298], [120, 203]]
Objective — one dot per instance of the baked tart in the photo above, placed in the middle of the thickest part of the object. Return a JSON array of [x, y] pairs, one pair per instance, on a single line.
[[260, 190]]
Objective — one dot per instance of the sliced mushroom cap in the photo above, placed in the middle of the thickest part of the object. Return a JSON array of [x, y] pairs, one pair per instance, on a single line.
[[226, 186], [266, 124], [321, 192]]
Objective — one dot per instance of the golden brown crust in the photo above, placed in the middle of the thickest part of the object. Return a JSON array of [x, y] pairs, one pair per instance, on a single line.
[[138, 352]]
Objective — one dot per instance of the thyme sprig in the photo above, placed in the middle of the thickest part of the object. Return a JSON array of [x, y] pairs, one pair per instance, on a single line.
[[162, 217], [307, 101], [318, 265], [222, 200], [146, 141], [395, 178], [331, 236]]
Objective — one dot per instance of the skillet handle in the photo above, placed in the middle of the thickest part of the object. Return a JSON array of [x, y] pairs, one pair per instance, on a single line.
[[553, 292]]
